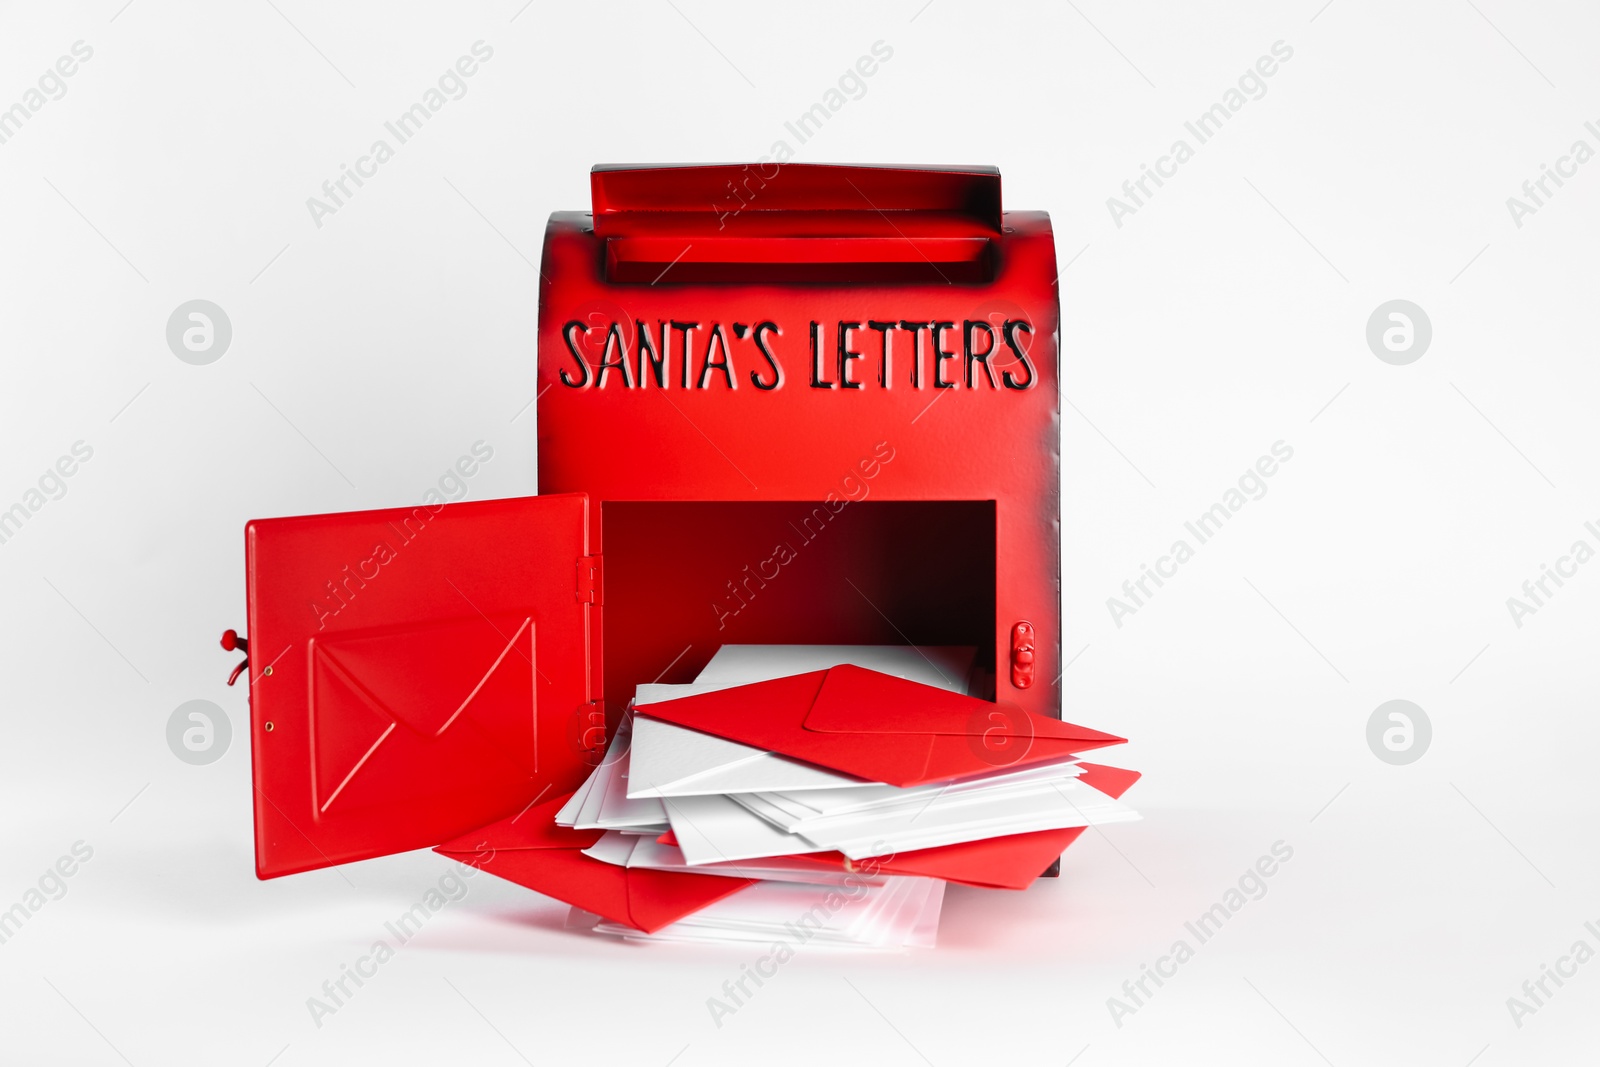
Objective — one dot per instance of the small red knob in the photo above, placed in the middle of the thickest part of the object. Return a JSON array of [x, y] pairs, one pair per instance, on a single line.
[[232, 642]]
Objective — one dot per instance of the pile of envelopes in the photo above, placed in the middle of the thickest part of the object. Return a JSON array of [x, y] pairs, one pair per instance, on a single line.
[[805, 793]]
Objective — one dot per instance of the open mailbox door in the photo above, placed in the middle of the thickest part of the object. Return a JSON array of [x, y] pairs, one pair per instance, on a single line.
[[415, 673]]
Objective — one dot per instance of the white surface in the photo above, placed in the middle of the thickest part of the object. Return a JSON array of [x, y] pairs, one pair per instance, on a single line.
[[894, 913], [1196, 335]]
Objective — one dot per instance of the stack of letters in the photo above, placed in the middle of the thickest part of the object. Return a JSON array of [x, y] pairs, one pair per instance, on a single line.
[[803, 793]]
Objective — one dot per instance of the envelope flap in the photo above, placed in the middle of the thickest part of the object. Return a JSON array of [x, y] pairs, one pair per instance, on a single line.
[[660, 898], [532, 851], [532, 828], [856, 700], [1009, 862], [771, 715], [1112, 781], [726, 712], [859, 701], [563, 873]]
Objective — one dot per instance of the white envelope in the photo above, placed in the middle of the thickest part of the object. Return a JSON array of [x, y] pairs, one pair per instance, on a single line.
[[582, 809], [876, 799], [613, 848], [647, 853], [1051, 806], [714, 829], [602, 803], [618, 811]]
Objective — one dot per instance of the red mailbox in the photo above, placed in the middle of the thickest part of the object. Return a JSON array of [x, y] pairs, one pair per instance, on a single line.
[[799, 404]]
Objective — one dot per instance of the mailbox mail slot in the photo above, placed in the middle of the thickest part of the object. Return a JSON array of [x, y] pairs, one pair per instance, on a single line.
[[800, 405]]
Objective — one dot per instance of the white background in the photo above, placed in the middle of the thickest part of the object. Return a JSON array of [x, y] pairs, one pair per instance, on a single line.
[[1227, 313]]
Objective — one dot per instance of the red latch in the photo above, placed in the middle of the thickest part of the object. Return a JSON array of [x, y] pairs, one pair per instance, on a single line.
[[232, 642], [1022, 655], [588, 733]]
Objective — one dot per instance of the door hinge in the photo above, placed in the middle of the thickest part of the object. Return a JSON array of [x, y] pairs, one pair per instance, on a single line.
[[589, 580]]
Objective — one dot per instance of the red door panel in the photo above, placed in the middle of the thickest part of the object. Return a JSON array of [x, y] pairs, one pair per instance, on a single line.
[[414, 673]]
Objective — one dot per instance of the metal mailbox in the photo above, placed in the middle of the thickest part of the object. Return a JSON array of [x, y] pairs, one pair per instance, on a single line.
[[798, 404]]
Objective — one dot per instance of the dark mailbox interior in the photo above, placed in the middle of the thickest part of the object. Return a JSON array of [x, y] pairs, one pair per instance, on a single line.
[[700, 574]]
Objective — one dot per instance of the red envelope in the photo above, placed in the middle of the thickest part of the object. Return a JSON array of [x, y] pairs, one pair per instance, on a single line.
[[875, 726], [531, 850]]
